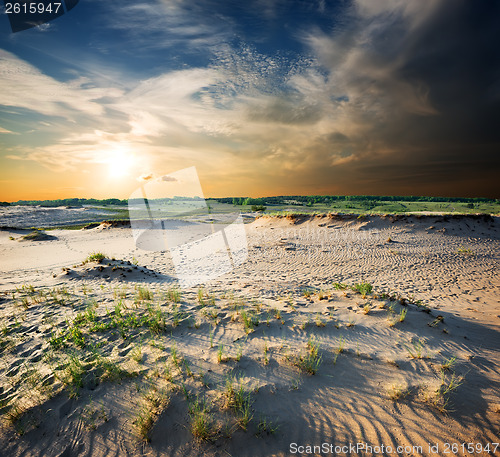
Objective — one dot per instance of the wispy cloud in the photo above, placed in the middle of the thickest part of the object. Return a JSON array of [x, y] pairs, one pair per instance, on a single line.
[[25, 86], [161, 24]]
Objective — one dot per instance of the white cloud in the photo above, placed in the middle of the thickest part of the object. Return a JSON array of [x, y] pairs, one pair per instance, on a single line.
[[24, 86]]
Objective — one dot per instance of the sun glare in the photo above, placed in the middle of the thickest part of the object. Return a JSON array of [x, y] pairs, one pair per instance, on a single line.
[[120, 163]]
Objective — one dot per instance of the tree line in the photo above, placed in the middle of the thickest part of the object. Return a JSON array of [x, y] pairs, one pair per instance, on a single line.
[[310, 200]]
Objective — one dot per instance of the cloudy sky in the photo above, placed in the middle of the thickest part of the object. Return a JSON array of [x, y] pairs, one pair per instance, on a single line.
[[263, 97]]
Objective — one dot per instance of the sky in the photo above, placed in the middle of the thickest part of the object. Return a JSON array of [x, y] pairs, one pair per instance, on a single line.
[[263, 97]]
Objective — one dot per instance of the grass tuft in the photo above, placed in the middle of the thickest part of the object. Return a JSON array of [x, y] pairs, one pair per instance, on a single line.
[[308, 362], [95, 257], [202, 424]]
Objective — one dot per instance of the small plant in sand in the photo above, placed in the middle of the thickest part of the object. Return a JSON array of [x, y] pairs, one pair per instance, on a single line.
[[239, 400], [211, 337], [239, 353], [451, 384], [266, 352], [91, 416], [144, 294], [109, 369], [211, 314], [153, 404], [201, 296], [319, 322], [308, 362], [155, 320], [363, 288], [448, 364], [120, 292], [250, 321], [417, 350], [220, 354], [339, 286], [72, 376], [202, 424], [187, 369], [440, 397], [367, 308], [75, 335], [465, 251], [137, 354], [305, 323], [339, 349], [13, 414], [307, 293], [167, 373], [276, 313], [95, 257], [174, 295], [402, 314], [397, 392], [266, 427], [176, 359], [436, 321]]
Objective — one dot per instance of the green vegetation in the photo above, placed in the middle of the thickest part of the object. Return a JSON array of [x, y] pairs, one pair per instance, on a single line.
[[36, 235], [417, 350], [448, 364], [95, 257], [308, 362], [397, 392], [339, 349], [250, 320], [360, 204], [306, 203], [153, 404], [265, 426], [239, 401], [363, 288], [202, 424], [465, 251], [146, 333]]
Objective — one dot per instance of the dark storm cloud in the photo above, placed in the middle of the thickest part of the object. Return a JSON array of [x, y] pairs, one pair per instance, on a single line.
[[424, 87]]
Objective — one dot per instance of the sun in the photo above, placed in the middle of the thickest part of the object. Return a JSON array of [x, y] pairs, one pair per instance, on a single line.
[[120, 163]]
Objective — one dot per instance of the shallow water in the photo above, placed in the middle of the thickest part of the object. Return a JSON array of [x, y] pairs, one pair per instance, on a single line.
[[36, 216]]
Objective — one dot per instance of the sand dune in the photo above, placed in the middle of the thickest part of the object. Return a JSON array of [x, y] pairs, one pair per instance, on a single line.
[[341, 331]]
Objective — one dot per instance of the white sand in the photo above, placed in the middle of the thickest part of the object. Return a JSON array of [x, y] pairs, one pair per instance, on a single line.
[[449, 264]]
